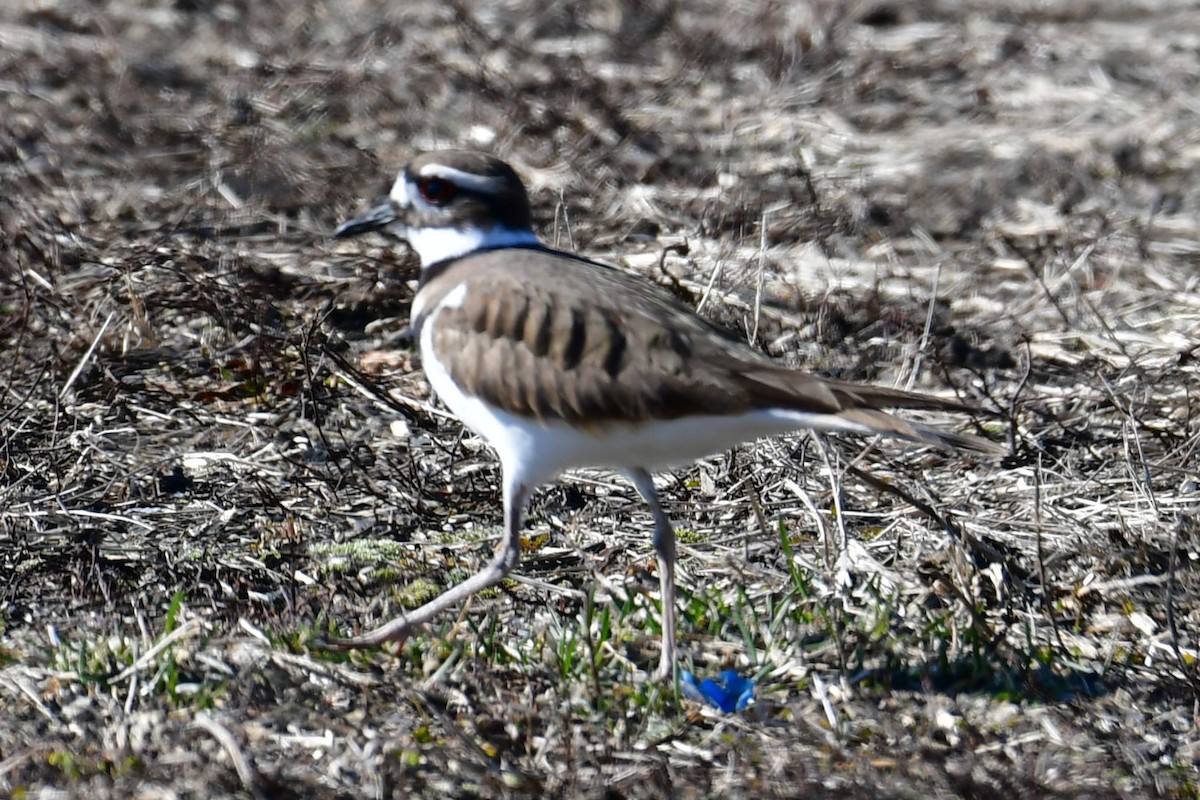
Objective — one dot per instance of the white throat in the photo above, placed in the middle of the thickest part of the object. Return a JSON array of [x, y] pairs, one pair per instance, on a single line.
[[438, 244]]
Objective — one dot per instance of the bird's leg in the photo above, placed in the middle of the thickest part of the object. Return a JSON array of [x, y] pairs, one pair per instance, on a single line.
[[508, 553], [664, 546]]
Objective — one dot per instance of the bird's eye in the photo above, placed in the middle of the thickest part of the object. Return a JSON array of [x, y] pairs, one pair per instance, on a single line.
[[437, 191]]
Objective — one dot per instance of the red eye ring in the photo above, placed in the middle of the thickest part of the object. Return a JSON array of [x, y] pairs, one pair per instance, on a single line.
[[437, 191]]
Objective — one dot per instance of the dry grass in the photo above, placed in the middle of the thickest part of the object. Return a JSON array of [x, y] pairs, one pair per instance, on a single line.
[[202, 461]]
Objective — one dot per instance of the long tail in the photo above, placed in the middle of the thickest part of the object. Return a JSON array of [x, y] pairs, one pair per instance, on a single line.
[[859, 407], [884, 423]]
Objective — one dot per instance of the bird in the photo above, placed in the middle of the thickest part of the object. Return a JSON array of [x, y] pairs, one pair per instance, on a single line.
[[559, 362]]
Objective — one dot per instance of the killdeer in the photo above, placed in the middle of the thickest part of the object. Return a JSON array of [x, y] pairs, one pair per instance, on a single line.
[[560, 362]]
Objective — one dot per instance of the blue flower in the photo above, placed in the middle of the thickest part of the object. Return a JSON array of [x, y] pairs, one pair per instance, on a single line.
[[729, 692]]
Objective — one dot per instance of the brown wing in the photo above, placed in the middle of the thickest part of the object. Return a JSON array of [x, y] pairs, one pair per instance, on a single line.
[[591, 345], [584, 343]]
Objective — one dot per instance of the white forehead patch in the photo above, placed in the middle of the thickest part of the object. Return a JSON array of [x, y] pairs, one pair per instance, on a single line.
[[467, 180], [399, 192]]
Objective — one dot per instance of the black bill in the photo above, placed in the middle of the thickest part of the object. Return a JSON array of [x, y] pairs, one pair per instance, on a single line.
[[378, 217]]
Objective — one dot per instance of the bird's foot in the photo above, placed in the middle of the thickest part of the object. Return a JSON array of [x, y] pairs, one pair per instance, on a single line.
[[395, 631]]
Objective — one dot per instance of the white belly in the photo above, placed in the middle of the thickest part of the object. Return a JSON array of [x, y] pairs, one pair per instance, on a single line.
[[535, 452]]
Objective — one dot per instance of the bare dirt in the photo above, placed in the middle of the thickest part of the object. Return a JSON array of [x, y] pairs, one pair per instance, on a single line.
[[215, 442]]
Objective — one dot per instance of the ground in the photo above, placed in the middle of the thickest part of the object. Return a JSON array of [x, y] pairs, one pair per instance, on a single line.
[[216, 443]]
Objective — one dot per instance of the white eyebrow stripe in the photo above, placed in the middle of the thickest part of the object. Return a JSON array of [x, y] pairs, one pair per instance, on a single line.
[[466, 180]]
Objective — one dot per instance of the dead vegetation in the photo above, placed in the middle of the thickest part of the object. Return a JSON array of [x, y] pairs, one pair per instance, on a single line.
[[215, 442]]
